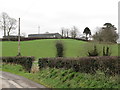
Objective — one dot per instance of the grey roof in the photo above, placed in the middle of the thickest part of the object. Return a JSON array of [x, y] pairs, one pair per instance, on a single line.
[[46, 34]]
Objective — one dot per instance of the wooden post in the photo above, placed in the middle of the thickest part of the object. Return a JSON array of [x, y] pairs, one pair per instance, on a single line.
[[19, 54]]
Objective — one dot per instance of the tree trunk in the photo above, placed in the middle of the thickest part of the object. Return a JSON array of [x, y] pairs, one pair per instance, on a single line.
[[4, 32], [86, 37], [4, 29], [8, 35]]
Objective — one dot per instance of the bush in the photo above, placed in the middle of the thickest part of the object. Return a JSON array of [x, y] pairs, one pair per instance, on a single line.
[[26, 62], [60, 49], [93, 52], [107, 52], [109, 65]]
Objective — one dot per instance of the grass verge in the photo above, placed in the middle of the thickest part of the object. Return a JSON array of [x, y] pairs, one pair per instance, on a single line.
[[60, 78]]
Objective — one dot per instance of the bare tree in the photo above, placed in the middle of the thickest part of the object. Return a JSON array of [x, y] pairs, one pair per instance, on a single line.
[[11, 25], [67, 32], [3, 22], [7, 24], [64, 32], [74, 32]]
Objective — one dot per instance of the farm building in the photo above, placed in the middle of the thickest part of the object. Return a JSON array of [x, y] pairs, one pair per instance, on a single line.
[[46, 35]]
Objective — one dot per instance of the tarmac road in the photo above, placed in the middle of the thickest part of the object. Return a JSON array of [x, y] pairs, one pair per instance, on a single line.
[[8, 80]]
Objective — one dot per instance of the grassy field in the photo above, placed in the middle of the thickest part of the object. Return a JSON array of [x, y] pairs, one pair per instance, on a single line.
[[60, 78], [46, 48]]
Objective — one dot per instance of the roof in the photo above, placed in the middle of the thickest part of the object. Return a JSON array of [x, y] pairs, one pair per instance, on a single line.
[[44, 34]]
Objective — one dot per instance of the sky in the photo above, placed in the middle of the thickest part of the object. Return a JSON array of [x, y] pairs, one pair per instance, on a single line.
[[52, 15]]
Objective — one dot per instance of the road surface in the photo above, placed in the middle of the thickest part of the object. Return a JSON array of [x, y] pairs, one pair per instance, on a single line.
[[8, 80]]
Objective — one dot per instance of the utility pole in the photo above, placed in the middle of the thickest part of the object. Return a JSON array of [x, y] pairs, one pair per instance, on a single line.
[[19, 54], [38, 29]]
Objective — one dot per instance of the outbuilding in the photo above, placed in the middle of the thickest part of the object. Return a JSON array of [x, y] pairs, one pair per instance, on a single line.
[[46, 35]]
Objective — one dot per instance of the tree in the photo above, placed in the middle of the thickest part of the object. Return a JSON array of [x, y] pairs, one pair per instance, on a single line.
[[7, 23], [65, 32], [107, 33], [62, 31], [3, 22], [74, 32], [87, 31], [11, 25], [47, 32], [109, 25], [60, 49]]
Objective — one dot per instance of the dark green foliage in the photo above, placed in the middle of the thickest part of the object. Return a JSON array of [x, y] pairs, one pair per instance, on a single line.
[[26, 62], [107, 64], [93, 52], [107, 52], [19, 54], [60, 49], [87, 31]]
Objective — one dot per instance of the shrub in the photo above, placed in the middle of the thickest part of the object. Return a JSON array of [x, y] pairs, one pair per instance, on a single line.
[[26, 62], [107, 64], [107, 52], [93, 52], [60, 49]]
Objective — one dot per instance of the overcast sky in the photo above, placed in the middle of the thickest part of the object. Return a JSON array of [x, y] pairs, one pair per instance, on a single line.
[[51, 15]]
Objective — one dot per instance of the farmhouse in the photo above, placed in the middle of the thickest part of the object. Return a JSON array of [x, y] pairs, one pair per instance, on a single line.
[[46, 35]]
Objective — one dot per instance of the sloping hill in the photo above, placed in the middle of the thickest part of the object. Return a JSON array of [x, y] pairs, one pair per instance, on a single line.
[[46, 48]]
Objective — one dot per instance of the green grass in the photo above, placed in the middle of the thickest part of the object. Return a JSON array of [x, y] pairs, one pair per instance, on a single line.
[[60, 78], [46, 48]]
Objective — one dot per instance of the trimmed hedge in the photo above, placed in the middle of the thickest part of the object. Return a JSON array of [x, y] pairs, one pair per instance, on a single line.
[[26, 62], [107, 64], [24, 39], [37, 38]]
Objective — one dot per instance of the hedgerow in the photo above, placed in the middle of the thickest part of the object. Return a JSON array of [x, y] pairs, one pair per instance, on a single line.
[[26, 62], [107, 64], [37, 38]]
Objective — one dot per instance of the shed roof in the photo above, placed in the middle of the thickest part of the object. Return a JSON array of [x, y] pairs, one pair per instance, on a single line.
[[44, 34]]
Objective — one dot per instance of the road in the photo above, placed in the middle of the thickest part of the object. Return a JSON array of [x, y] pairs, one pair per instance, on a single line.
[[8, 80]]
